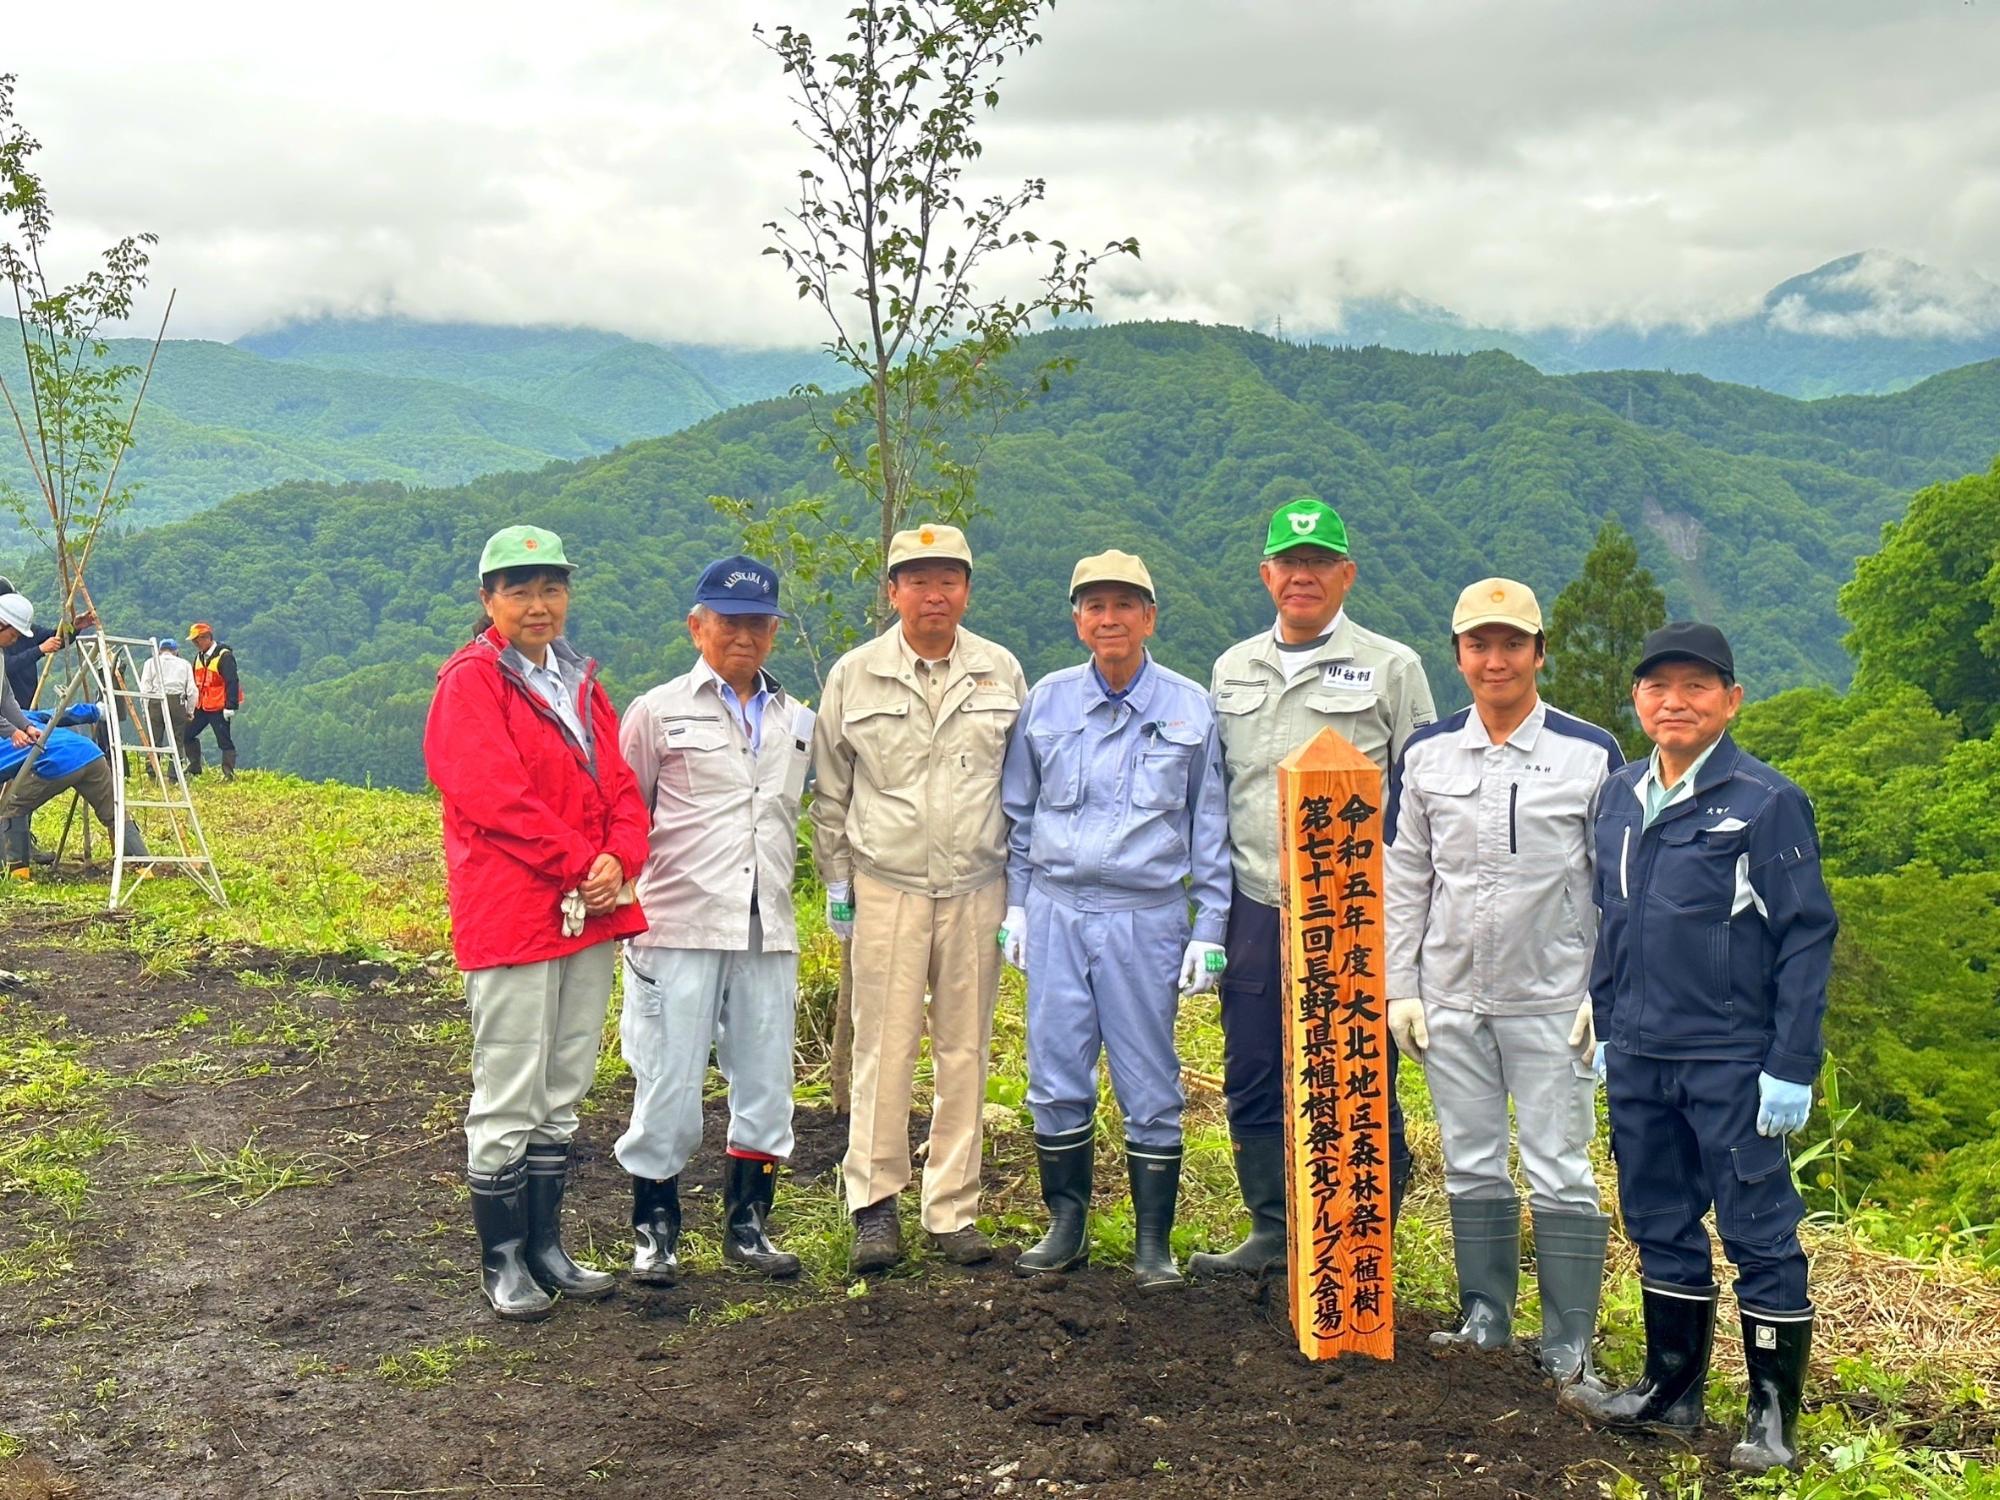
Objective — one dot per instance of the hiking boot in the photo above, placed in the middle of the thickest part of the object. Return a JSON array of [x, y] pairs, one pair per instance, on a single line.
[[746, 1205], [1486, 1248], [656, 1230], [1260, 1172], [963, 1247], [1155, 1172], [1775, 1349], [878, 1238], [550, 1265], [1569, 1266], [500, 1213], [1667, 1396], [1065, 1163]]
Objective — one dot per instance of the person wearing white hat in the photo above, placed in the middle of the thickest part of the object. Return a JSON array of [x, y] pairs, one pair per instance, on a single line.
[[1490, 926], [70, 762]]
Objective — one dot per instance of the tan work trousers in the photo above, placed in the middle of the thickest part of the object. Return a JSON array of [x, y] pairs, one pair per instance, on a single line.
[[905, 945]]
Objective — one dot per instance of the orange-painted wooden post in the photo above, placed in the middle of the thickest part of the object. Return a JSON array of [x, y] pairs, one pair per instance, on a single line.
[[1341, 1264]]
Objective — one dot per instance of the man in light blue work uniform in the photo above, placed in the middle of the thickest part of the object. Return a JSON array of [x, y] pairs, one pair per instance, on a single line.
[[1113, 787], [1709, 983]]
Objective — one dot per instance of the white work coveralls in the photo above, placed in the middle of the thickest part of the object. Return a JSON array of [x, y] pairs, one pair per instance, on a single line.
[[1491, 923]]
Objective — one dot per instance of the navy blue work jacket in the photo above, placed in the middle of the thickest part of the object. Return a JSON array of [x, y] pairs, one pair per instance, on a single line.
[[1717, 930]]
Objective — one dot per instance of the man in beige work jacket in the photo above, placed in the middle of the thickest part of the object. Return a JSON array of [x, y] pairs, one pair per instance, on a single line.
[[908, 836]]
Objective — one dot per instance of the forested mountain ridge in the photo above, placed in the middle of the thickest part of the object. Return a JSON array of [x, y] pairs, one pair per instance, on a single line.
[[417, 404], [1172, 440]]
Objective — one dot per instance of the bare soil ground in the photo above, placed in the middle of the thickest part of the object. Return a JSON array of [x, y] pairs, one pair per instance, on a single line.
[[328, 1339]]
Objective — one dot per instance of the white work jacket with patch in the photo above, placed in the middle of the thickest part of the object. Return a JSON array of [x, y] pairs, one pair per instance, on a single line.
[[1489, 906], [725, 817], [1368, 688]]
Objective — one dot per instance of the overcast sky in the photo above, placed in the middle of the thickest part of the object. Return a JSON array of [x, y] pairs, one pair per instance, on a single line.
[[1520, 161]]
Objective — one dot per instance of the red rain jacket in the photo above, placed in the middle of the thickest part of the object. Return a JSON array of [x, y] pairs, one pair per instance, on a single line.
[[525, 813]]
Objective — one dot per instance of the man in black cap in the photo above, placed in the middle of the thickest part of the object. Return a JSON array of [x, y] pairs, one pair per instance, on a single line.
[[1709, 985], [721, 754]]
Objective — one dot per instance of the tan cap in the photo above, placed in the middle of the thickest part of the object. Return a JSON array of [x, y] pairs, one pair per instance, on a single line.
[[1497, 601], [1111, 567], [920, 543]]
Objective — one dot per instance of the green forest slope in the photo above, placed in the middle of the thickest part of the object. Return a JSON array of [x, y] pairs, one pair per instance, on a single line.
[[1170, 439]]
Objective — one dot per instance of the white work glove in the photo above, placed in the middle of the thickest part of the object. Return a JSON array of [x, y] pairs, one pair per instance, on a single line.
[[228, 714], [1406, 1025], [1201, 967], [573, 913], [840, 909], [1583, 1035], [1013, 938]]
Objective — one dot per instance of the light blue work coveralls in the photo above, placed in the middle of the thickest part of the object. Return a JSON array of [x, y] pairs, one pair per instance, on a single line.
[[1118, 818]]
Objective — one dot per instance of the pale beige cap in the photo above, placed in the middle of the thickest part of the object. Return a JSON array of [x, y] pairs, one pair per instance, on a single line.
[[1111, 567], [1497, 601], [921, 543]]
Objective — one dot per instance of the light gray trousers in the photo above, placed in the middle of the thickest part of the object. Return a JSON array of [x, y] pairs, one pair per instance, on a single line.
[[536, 1029], [679, 1001], [1474, 1065]]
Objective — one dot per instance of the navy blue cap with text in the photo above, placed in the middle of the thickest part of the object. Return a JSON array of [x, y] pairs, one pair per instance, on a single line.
[[739, 586], [1686, 640]]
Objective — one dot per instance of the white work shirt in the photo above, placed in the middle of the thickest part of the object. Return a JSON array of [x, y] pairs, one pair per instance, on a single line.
[[725, 835], [1489, 861], [168, 675]]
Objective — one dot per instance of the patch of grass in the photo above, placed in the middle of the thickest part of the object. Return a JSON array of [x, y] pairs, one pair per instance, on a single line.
[[430, 1365], [46, 1252], [52, 1126], [285, 1024], [246, 1177], [12, 1447]]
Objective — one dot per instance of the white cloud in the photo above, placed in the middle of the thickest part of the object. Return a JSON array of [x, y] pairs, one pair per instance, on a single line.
[[1520, 161]]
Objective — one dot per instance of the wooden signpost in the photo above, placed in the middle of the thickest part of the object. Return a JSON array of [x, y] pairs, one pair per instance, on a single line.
[[1337, 1080]]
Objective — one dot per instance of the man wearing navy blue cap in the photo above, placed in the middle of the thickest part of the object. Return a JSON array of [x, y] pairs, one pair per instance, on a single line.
[[1709, 985], [721, 754]]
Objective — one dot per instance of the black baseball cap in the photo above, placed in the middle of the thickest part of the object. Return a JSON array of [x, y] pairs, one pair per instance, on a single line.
[[739, 586], [1686, 640]]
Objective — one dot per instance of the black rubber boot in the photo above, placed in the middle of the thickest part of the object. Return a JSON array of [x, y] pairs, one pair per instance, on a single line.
[[1775, 1348], [1065, 1162], [1260, 1172], [1680, 1335], [1156, 1186], [500, 1213], [229, 765], [1569, 1265], [548, 1262], [1486, 1247], [746, 1209], [656, 1230], [878, 1238]]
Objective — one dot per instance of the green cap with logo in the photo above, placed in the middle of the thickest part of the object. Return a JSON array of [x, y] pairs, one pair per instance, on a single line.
[[1305, 522], [523, 547]]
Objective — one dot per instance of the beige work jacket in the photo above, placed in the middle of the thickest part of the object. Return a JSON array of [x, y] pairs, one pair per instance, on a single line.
[[910, 802], [1370, 689]]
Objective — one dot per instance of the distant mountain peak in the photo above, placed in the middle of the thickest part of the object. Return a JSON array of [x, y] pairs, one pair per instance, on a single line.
[[1881, 294]]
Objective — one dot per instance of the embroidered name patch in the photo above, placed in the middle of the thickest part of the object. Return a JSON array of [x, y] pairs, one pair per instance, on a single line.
[[1346, 675]]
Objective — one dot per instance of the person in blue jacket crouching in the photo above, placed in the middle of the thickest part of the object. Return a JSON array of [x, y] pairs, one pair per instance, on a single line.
[[1709, 987]]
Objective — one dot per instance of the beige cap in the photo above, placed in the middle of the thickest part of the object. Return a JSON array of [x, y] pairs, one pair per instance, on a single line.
[[920, 543], [1497, 601], [1111, 567]]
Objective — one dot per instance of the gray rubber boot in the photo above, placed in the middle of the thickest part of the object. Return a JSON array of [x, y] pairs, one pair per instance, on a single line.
[[1486, 1246], [1569, 1266]]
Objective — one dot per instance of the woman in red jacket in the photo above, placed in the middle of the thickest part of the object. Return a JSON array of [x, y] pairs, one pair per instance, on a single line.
[[544, 828]]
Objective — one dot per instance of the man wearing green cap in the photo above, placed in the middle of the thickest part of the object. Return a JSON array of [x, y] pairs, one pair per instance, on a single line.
[[1314, 669]]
